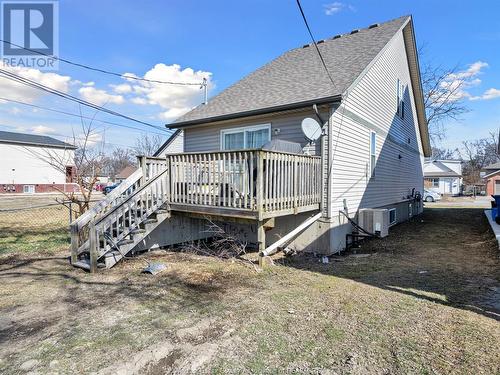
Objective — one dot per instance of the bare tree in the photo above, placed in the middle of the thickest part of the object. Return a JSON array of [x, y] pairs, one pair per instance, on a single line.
[[148, 144], [443, 97], [478, 154], [86, 166], [118, 160], [444, 153]]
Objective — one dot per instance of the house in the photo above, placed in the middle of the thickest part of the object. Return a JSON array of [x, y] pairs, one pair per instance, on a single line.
[[35, 164], [369, 155], [491, 176], [125, 173], [443, 176], [173, 145]]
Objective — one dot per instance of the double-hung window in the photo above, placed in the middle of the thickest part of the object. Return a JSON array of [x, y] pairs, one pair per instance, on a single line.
[[400, 109], [373, 153], [246, 137]]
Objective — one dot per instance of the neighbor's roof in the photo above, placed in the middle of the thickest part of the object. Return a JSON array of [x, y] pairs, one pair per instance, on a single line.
[[492, 166], [298, 76], [441, 174], [33, 140], [126, 172]]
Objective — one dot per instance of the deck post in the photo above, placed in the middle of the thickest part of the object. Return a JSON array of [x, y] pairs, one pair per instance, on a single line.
[[261, 239], [93, 245], [142, 165], [260, 185], [74, 242]]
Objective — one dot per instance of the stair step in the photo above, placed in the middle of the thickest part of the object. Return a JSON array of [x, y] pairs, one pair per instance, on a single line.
[[150, 221], [138, 231], [125, 241], [162, 211], [111, 258]]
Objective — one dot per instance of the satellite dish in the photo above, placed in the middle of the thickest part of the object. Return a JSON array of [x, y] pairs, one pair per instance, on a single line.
[[311, 128]]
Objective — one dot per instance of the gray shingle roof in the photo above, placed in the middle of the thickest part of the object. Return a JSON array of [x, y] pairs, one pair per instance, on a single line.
[[33, 140], [297, 76], [492, 166]]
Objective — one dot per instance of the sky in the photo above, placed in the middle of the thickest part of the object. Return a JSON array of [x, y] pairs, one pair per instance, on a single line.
[[186, 41]]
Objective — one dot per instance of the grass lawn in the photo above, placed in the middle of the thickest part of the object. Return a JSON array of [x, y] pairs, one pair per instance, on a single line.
[[425, 300], [38, 230]]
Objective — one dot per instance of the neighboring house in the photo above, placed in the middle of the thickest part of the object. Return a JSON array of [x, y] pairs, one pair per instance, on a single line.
[[370, 154], [491, 176], [125, 173], [443, 176], [173, 145], [35, 164]]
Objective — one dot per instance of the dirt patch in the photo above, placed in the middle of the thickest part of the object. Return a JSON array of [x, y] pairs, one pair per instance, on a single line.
[[425, 300]]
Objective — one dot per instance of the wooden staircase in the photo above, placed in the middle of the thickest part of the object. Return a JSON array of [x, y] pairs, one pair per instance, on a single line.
[[115, 226]]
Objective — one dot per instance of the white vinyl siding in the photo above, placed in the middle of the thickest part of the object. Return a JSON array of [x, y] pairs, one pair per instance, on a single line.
[[283, 126], [369, 106]]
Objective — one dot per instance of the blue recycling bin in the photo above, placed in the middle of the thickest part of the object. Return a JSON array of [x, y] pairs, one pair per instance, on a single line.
[[494, 210]]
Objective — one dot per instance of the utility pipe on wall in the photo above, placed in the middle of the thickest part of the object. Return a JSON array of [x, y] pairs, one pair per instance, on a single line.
[[274, 247]]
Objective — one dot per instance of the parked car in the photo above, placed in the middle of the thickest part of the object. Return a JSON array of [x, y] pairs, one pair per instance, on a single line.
[[431, 196], [108, 189]]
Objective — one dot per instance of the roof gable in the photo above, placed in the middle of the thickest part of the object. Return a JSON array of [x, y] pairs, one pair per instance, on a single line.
[[298, 77]]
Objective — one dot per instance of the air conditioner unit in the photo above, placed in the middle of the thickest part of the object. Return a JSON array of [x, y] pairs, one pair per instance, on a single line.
[[374, 220]]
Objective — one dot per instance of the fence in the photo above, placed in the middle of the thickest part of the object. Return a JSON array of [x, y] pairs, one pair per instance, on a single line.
[[29, 226]]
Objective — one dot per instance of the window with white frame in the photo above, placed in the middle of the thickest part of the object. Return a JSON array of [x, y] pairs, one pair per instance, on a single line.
[[392, 216], [29, 189], [400, 109], [435, 182], [373, 153], [245, 137]]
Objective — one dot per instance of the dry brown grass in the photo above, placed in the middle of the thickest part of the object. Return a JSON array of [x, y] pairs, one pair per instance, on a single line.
[[426, 300]]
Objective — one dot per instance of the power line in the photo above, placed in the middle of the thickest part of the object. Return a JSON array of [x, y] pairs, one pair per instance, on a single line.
[[315, 44], [33, 84], [104, 70], [79, 116]]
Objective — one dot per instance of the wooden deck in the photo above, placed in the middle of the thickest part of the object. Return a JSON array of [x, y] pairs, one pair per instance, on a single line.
[[249, 184], [246, 185]]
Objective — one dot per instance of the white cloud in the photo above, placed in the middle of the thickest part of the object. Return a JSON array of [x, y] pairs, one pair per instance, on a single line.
[[337, 7], [122, 88], [175, 100], [19, 91], [42, 130], [488, 94], [99, 97], [457, 84]]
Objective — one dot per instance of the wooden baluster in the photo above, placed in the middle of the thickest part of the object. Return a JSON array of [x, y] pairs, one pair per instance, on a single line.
[[246, 179], [224, 179], [251, 193], [260, 183]]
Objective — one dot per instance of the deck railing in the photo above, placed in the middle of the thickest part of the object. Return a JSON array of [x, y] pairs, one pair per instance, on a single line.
[[252, 180]]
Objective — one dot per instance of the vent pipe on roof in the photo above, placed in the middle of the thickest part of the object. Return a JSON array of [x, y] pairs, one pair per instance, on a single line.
[[204, 86]]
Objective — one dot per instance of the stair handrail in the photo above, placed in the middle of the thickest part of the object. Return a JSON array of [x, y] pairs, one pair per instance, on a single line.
[[131, 196], [116, 193]]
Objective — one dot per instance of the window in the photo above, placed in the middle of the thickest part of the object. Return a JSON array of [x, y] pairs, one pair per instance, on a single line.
[[435, 182], [29, 189], [400, 104], [373, 149], [392, 216], [249, 137]]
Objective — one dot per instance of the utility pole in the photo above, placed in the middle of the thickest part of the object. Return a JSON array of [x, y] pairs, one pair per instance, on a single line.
[[204, 86]]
